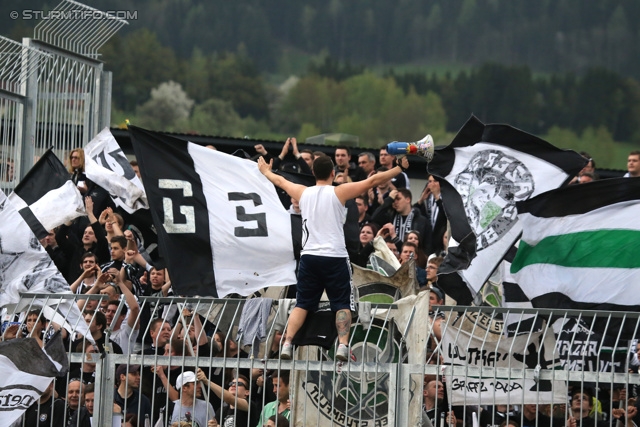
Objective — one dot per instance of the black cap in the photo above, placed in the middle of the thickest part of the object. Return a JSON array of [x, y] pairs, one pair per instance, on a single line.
[[123, 369]]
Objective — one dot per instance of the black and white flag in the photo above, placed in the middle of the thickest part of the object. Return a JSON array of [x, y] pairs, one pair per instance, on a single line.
[[491, 167], [107, 166], [25, 267], [221, 227], [47, 197], [27, 370]]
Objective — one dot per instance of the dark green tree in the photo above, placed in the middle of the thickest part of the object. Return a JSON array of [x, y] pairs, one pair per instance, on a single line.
[[139, 63]]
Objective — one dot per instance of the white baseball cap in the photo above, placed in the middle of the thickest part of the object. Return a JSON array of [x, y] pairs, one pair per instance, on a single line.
[[185, 378]]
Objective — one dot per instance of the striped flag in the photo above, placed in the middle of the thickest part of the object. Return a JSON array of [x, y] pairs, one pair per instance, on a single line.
[[221, 227], [513, 297], [46, 197], [489, 168], [580, 246]]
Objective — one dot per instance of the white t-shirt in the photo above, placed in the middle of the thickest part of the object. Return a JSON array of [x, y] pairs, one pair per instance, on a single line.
[[125, 336], [199, 413], [323, 218]]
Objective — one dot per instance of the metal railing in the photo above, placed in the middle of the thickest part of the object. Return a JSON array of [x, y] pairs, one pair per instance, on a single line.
[[54, 91], [400, 348]]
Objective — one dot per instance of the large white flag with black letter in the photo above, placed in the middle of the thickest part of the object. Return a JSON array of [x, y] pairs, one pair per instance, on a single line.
[[490, 168], [46, 197], [221, 227], [107, 166]]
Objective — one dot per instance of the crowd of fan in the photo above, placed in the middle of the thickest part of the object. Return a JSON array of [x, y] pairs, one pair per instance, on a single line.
[[99, 255]]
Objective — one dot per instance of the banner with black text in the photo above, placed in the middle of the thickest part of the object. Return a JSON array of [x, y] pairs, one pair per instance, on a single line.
[[460, 348]]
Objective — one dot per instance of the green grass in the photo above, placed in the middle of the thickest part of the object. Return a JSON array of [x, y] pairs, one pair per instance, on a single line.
[[377, 298]]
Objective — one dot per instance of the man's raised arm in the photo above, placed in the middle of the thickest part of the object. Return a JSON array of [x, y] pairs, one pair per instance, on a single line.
[[293, 190], [350, 190]]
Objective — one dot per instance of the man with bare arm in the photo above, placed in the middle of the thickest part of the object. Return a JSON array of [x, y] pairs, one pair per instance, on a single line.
[[324, 264]]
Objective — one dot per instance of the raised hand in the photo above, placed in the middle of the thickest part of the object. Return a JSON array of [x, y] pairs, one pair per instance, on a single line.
[[263, 166], [285, 148], [294, 144]]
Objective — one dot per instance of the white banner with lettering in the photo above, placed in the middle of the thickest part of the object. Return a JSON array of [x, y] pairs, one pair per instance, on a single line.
[[107, 166], [527, 351], [250, 229]]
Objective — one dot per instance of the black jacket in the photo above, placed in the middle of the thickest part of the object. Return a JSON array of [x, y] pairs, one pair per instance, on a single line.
[[385, 214]]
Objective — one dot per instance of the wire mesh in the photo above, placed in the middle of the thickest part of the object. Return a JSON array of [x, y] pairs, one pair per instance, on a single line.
[[78, 28], [17, 63]]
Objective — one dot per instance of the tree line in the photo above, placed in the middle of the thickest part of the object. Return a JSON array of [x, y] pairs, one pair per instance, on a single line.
[[553, 36], [225, 94], [563, 69]]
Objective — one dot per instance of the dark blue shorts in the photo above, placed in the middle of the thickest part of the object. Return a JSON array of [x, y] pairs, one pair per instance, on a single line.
[[317, 274]]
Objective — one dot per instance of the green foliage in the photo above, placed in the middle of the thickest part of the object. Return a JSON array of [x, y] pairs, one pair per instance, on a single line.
[[598, 142], [307, 130], [239, 82], [332, 69], [548, 36], [373, 108], [510, 94], [231, 98], [311, 101], [140, 63], [168, 106], [215, 117]]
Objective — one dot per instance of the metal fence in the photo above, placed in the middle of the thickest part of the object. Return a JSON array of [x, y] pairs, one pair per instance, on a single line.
[[17, 64], [483, 359], [53, 89]]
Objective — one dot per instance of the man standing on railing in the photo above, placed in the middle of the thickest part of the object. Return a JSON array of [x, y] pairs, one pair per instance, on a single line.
[[324, 262]]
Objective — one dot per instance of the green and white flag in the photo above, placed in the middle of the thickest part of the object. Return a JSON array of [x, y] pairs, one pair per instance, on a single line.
[[580, 246]]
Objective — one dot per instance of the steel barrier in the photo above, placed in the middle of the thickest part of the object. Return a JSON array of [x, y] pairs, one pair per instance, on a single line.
[[54, 92], [482, 358]]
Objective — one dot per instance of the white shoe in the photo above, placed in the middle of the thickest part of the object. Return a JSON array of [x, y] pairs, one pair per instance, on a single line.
[[287, 351], [344, 354]]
